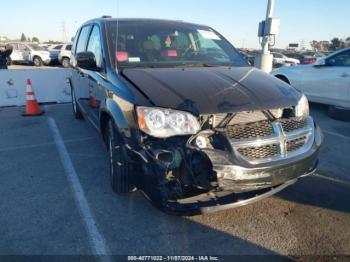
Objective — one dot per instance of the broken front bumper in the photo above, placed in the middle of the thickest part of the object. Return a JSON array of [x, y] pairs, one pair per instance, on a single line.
[[254, 185], [240, 182]]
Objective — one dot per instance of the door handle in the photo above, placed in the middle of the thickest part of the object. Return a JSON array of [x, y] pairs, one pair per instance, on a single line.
[[344, 75]]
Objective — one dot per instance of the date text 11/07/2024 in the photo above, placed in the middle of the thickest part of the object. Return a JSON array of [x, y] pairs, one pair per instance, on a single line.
[[173, 258]]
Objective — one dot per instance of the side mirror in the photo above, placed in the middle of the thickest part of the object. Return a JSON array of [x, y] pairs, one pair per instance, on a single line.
[[86, 60]]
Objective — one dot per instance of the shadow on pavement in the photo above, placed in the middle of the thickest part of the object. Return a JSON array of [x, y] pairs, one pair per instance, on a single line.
[[320, 191]]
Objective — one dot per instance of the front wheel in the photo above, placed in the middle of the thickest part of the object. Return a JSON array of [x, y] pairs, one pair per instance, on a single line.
[[37, 61], [120, 167]]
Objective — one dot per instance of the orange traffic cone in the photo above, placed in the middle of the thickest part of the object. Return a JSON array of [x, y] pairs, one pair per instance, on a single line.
[[92, 99], [32, 106]]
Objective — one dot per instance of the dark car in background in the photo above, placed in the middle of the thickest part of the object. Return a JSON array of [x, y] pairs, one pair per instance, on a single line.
[[185, 119]]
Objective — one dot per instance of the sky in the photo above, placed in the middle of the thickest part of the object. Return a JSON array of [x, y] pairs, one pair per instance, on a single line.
[[237, 20]]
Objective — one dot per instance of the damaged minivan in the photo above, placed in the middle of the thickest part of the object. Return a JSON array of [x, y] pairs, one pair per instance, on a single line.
[[185, 119]]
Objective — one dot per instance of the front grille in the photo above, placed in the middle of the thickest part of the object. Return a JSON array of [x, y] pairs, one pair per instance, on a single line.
[[295, 144], [260, 152], [292, 124], [265, 140], [250, 130]]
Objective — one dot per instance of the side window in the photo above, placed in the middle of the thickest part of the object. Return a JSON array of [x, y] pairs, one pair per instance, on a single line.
[[21, 47], [342, 59], [58, 47], [75, 41], [277, 55], [69, 47], [94, 45], [84, 34]]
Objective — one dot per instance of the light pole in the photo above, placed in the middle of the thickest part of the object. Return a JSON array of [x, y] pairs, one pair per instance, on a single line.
[[267, 31]]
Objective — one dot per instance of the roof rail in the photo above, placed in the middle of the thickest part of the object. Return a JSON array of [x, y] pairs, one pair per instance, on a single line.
[[106, 16]]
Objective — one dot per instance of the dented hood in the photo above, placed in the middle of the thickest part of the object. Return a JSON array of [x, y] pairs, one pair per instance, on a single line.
[[209, 90]]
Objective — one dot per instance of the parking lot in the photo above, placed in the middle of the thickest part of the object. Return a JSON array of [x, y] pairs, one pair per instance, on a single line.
[[56, 200]]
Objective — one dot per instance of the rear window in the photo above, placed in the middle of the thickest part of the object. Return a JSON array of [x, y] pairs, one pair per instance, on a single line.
[[36, 47]]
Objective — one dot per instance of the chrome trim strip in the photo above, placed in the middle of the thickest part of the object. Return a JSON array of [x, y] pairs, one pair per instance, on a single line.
[[256, 142]]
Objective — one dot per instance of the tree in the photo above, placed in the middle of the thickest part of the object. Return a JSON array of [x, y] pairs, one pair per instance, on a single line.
[[23, 38], [347, 40], [35, 39], [335, 43], [316, 45]]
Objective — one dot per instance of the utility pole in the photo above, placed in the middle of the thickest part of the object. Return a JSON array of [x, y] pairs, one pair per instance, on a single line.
[[268, 29], [64, 32]]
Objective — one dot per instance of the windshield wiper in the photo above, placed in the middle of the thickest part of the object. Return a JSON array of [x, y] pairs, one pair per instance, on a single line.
[[201, 65], [137, 66]]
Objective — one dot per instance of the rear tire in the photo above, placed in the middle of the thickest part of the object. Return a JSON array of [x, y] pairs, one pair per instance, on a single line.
[[8, 61], [120, 167], [37, 61], [65, 62], [339, 113], [76, 110], [283, 78]]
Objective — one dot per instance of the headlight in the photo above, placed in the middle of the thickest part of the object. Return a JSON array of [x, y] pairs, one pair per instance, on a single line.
[[302, 108], [159, 122]]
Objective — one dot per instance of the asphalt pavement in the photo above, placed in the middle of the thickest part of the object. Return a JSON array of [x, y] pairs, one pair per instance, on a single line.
[[55, 199]]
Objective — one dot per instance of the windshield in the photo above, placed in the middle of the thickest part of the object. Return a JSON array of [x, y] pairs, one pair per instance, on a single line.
[[36, 47], [169, 44]]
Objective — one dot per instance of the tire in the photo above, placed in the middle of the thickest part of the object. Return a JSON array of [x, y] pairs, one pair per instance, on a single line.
[[37, 61], [66, 62], [283, 78], [339, 113], [8, 61], [76, 110], [120, 167]]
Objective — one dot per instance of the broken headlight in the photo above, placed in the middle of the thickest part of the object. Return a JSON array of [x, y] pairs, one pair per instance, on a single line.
[[302, 108], [159, 122]]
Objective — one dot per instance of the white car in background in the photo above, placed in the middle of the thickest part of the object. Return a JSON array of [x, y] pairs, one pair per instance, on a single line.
[[55, 51], [279, 58], [30, 53], [64, 55], [327, 81]]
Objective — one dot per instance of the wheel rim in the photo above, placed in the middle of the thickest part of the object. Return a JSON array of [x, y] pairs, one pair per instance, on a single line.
[[65, 63], [36, 62]]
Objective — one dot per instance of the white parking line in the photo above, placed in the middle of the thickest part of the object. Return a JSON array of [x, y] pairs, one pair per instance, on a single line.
[[336, 134], [333, 179], [10, 148], [96, 239]]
